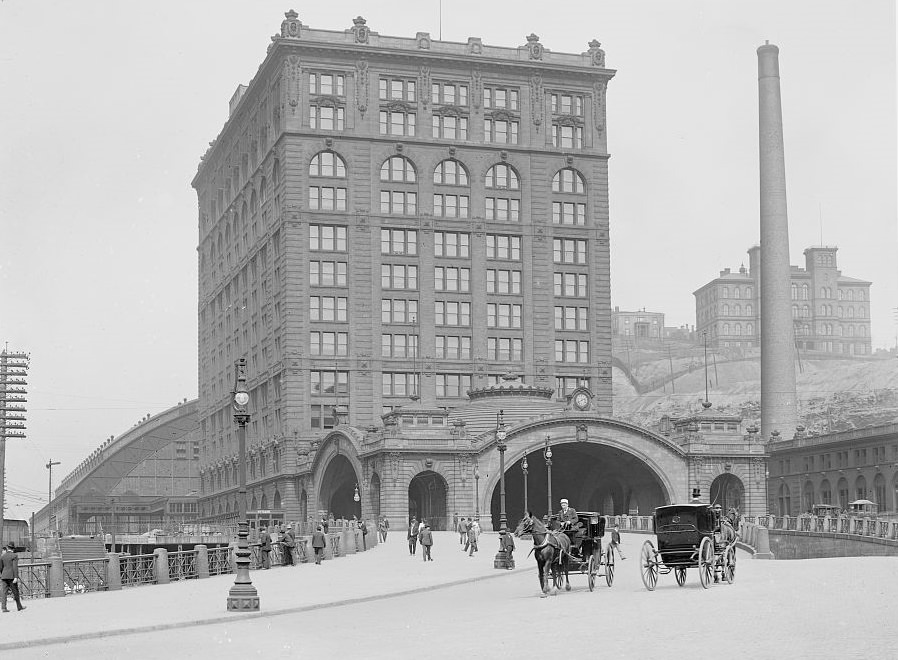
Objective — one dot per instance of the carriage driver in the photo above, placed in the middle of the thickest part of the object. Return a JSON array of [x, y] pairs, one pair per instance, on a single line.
[[567, 517]]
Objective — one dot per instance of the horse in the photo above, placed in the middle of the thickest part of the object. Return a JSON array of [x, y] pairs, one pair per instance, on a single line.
[[549, 549]]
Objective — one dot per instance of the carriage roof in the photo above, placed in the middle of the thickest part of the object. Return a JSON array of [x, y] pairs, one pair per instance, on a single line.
[[680, 517]]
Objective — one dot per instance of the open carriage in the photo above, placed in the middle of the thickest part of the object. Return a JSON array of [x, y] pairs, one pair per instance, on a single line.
[[689, 536], [586, 554]]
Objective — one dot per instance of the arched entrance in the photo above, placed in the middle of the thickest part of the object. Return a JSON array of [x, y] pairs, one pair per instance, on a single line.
[[427, 497], [727, 491], [592, 476], [338, 488]]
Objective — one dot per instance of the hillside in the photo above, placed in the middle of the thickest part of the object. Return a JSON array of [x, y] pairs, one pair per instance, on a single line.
[[834, 393]]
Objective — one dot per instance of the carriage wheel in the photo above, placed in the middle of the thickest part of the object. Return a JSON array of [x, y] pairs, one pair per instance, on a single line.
[[591, 569], [706, 562], [729, 567], [649, 566], [609, 565], [680, 574]]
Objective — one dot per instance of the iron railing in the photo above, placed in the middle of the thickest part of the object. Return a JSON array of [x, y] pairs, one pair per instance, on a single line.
[[219, 560], [34, 580], [137, 569], [182, 565], [83, 576]]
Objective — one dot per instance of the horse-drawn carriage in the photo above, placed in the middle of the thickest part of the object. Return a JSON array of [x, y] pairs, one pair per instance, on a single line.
[[690, 536], [562, 552]]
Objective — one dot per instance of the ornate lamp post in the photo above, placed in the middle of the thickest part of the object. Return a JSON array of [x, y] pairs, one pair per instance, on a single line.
[[501, 560], [547, 452], [476, 492], [243, 596], [357, 499], [524, 467]]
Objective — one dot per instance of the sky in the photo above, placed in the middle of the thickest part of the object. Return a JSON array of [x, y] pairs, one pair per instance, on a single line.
[[106, 107]]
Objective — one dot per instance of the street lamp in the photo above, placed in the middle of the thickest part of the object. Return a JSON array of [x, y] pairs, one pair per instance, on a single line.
[[357, 498], [502, 560], [524, 467], [243, 596], [547, 452], [476, 492]]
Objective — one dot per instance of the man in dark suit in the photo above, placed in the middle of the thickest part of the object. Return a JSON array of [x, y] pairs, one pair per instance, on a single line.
[[9, 575], [413, 529], [265, 547], [567, 517], [289, 544], [318, 543]]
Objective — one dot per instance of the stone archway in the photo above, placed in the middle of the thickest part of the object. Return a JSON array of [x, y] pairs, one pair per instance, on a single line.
[[427, 499], [337, 490], [728, 491]]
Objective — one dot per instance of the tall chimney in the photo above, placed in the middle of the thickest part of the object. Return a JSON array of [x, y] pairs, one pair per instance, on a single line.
[[778, 399]]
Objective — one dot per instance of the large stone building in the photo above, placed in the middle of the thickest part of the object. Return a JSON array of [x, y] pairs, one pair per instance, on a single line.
[[387, 226], [830, 311], [637, 325]]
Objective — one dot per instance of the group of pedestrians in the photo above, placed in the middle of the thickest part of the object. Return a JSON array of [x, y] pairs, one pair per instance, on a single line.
[[468, 533], [420, 533]]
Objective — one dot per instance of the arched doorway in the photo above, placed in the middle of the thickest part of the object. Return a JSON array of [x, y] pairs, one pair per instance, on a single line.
[[826, 494], [727, 491], [427, 497], [860, 488], [784, 500], [807, 497], [843, 493], [374, 495], [338, 488], [592, 476]]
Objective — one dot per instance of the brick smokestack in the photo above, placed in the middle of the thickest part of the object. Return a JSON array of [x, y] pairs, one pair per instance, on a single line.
[[778, 399]]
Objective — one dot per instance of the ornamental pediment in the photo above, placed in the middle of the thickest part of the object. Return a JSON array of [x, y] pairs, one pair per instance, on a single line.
[[502, 115], [329, 100], [397, 106], [453, 110], [568, 120]]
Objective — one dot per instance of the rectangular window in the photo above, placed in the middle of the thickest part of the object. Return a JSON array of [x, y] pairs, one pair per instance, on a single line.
[[499, 208], [568, 213], [448, 312], [328, 308], [399, 383], [453, 348], [572, 285], [567, 104], [328, 343], [450, 206], [564, 385], [503, 281], [450, 278], [397, 123], [505, 348], [500, 246], [327, 84], [327, 238], [453, 385], [567, 137], [503, 315], [449, 127], [571, 318], [327, 198], [502, 131], [398, 241], [500, 97], [569, 251], [398, 276], [399, 346], [571, 350], [398, 202], [397, 89], [398, 311], [321, 416], [327, 273], [323, 382], [326, 117], [451, 244], [449, 94]]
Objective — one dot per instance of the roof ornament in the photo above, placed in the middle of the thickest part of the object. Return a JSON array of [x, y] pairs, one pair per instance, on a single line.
[[291, 26], [596, 54], [360, 30], [534, 48]]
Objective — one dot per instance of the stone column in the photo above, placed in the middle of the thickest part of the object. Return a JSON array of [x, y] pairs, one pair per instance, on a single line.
[[160, 562], [778, 398], [113, 572], [202, 561]]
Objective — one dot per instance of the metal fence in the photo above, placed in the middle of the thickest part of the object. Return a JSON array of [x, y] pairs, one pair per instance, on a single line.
[[34, 580], [182, 565], [137, 569], [219, 560], [84, 576]]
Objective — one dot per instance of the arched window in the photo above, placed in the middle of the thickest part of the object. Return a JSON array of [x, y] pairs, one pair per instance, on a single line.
[[805, 312], [738, 328], [840, 312], [737, 292], [276, 172], [254, 203], [737, 309], [841, 294], [851, 331], [850, 294], [749, 329], [794, 291], [860, 295], [450, 202], [726, 310], [499, 178], [794, 311], [748, 292], [823, 292], [862, 331], [327, 195], [726, 328], [263, 190], [861, 312], [400, 196], [804, 291], [748, 310], [726, 292], [568, 197], [851, 312]]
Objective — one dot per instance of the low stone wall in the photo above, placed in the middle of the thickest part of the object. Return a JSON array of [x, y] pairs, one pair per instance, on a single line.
[[793, 544]]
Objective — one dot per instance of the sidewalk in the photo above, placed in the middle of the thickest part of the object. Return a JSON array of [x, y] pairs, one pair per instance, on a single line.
[[382, 572]]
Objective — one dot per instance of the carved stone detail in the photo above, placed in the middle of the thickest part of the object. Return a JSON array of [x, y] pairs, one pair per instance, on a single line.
[[475, 46], [534, 48], [423, 39], [292, 70], [598, 105], [596, 54], [361, 87], [476, 88], [537, 100], [424, 82], [360, 30]]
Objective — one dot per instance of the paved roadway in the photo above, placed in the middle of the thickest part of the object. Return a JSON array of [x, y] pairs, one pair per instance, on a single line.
[[383, 603]]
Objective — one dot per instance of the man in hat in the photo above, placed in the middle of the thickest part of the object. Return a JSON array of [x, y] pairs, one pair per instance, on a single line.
[[265, 547], [413, 529], [318, 543], [9, 574], [289, 543], [567, 517]]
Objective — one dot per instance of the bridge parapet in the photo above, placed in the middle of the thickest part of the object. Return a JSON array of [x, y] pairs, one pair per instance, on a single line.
[[806, 537]]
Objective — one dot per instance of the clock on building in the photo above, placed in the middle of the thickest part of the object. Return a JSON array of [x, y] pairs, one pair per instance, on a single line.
[[581, 399]]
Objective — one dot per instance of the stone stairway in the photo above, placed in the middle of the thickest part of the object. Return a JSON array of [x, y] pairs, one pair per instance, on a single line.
[[80, 548]]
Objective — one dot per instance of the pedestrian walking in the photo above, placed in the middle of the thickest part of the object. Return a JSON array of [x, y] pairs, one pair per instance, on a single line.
[[318, 543], [476, 526], [413, 529], [426, 540], [289, 543], [462, 528], [265, 548], [471, 545], [364, 528], [382, 529], [9, 576], [615, 542]]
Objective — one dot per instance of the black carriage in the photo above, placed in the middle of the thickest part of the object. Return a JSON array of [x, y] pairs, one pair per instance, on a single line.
[[586, 554], [689, 536]]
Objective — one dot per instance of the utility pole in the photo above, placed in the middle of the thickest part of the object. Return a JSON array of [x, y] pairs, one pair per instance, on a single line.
[[49, 466], [13, 378]]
